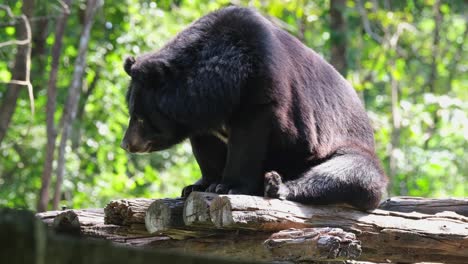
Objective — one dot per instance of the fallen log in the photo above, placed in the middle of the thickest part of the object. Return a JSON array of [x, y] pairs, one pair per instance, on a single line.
[[425, 205], [256, 228], [385, 235], [133, 211]]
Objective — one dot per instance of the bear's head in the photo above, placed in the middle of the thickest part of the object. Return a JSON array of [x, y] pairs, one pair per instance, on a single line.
[[148, 129]]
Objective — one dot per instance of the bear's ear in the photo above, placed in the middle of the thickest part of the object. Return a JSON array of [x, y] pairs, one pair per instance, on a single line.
[[165, 69], [129, 61]]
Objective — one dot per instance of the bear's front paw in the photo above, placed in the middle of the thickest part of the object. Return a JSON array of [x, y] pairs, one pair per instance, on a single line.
[[187, 190], [226, 189], [274, 187]]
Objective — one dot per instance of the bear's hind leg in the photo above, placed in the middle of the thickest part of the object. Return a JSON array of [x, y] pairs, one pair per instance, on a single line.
[[352, 178]]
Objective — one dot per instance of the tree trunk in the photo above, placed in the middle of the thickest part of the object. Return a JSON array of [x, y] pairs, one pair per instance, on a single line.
[[338, 35], [20, 70], [50, 109], [433, 73], [76, 132], [396, 126], [73, 97]]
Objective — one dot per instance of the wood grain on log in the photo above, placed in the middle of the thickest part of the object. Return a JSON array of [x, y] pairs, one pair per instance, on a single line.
[[425, 205], [126, 212], [197, 209], [165, 216]]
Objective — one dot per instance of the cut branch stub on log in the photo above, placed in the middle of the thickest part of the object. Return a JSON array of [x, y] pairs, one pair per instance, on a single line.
[[90, 223], [71, 221], [425, 205], [48, 216], [126, 212], [309, 244], [197, 209]]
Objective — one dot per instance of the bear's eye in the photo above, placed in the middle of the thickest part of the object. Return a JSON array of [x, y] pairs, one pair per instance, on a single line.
[[140, 120]]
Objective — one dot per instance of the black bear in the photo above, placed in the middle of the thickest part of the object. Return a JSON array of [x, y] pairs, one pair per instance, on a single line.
[[265, 114]]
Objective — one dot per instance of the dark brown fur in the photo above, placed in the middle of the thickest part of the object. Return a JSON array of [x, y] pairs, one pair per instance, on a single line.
[[295, 128]]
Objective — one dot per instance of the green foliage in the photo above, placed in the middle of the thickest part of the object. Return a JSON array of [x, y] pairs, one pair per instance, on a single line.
[[431, 154]]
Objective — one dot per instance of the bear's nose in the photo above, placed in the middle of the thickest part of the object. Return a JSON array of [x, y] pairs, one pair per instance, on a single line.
[[124, 145]]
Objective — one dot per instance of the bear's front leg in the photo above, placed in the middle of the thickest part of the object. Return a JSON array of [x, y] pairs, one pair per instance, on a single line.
[[247, 149], [210, 153]]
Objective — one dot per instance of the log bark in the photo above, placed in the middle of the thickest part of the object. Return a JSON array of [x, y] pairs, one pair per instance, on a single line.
[[311, 244], [126, 212], [385, 235], [425, 205]]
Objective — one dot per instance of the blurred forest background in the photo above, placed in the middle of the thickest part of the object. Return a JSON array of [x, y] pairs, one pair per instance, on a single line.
[[408, 61]]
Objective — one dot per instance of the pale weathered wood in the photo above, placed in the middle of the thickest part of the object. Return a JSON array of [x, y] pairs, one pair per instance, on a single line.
[[426, 205], [164, 214], [243, 212], [126, 212], [310, 244], [385, 235], [197, 209]]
